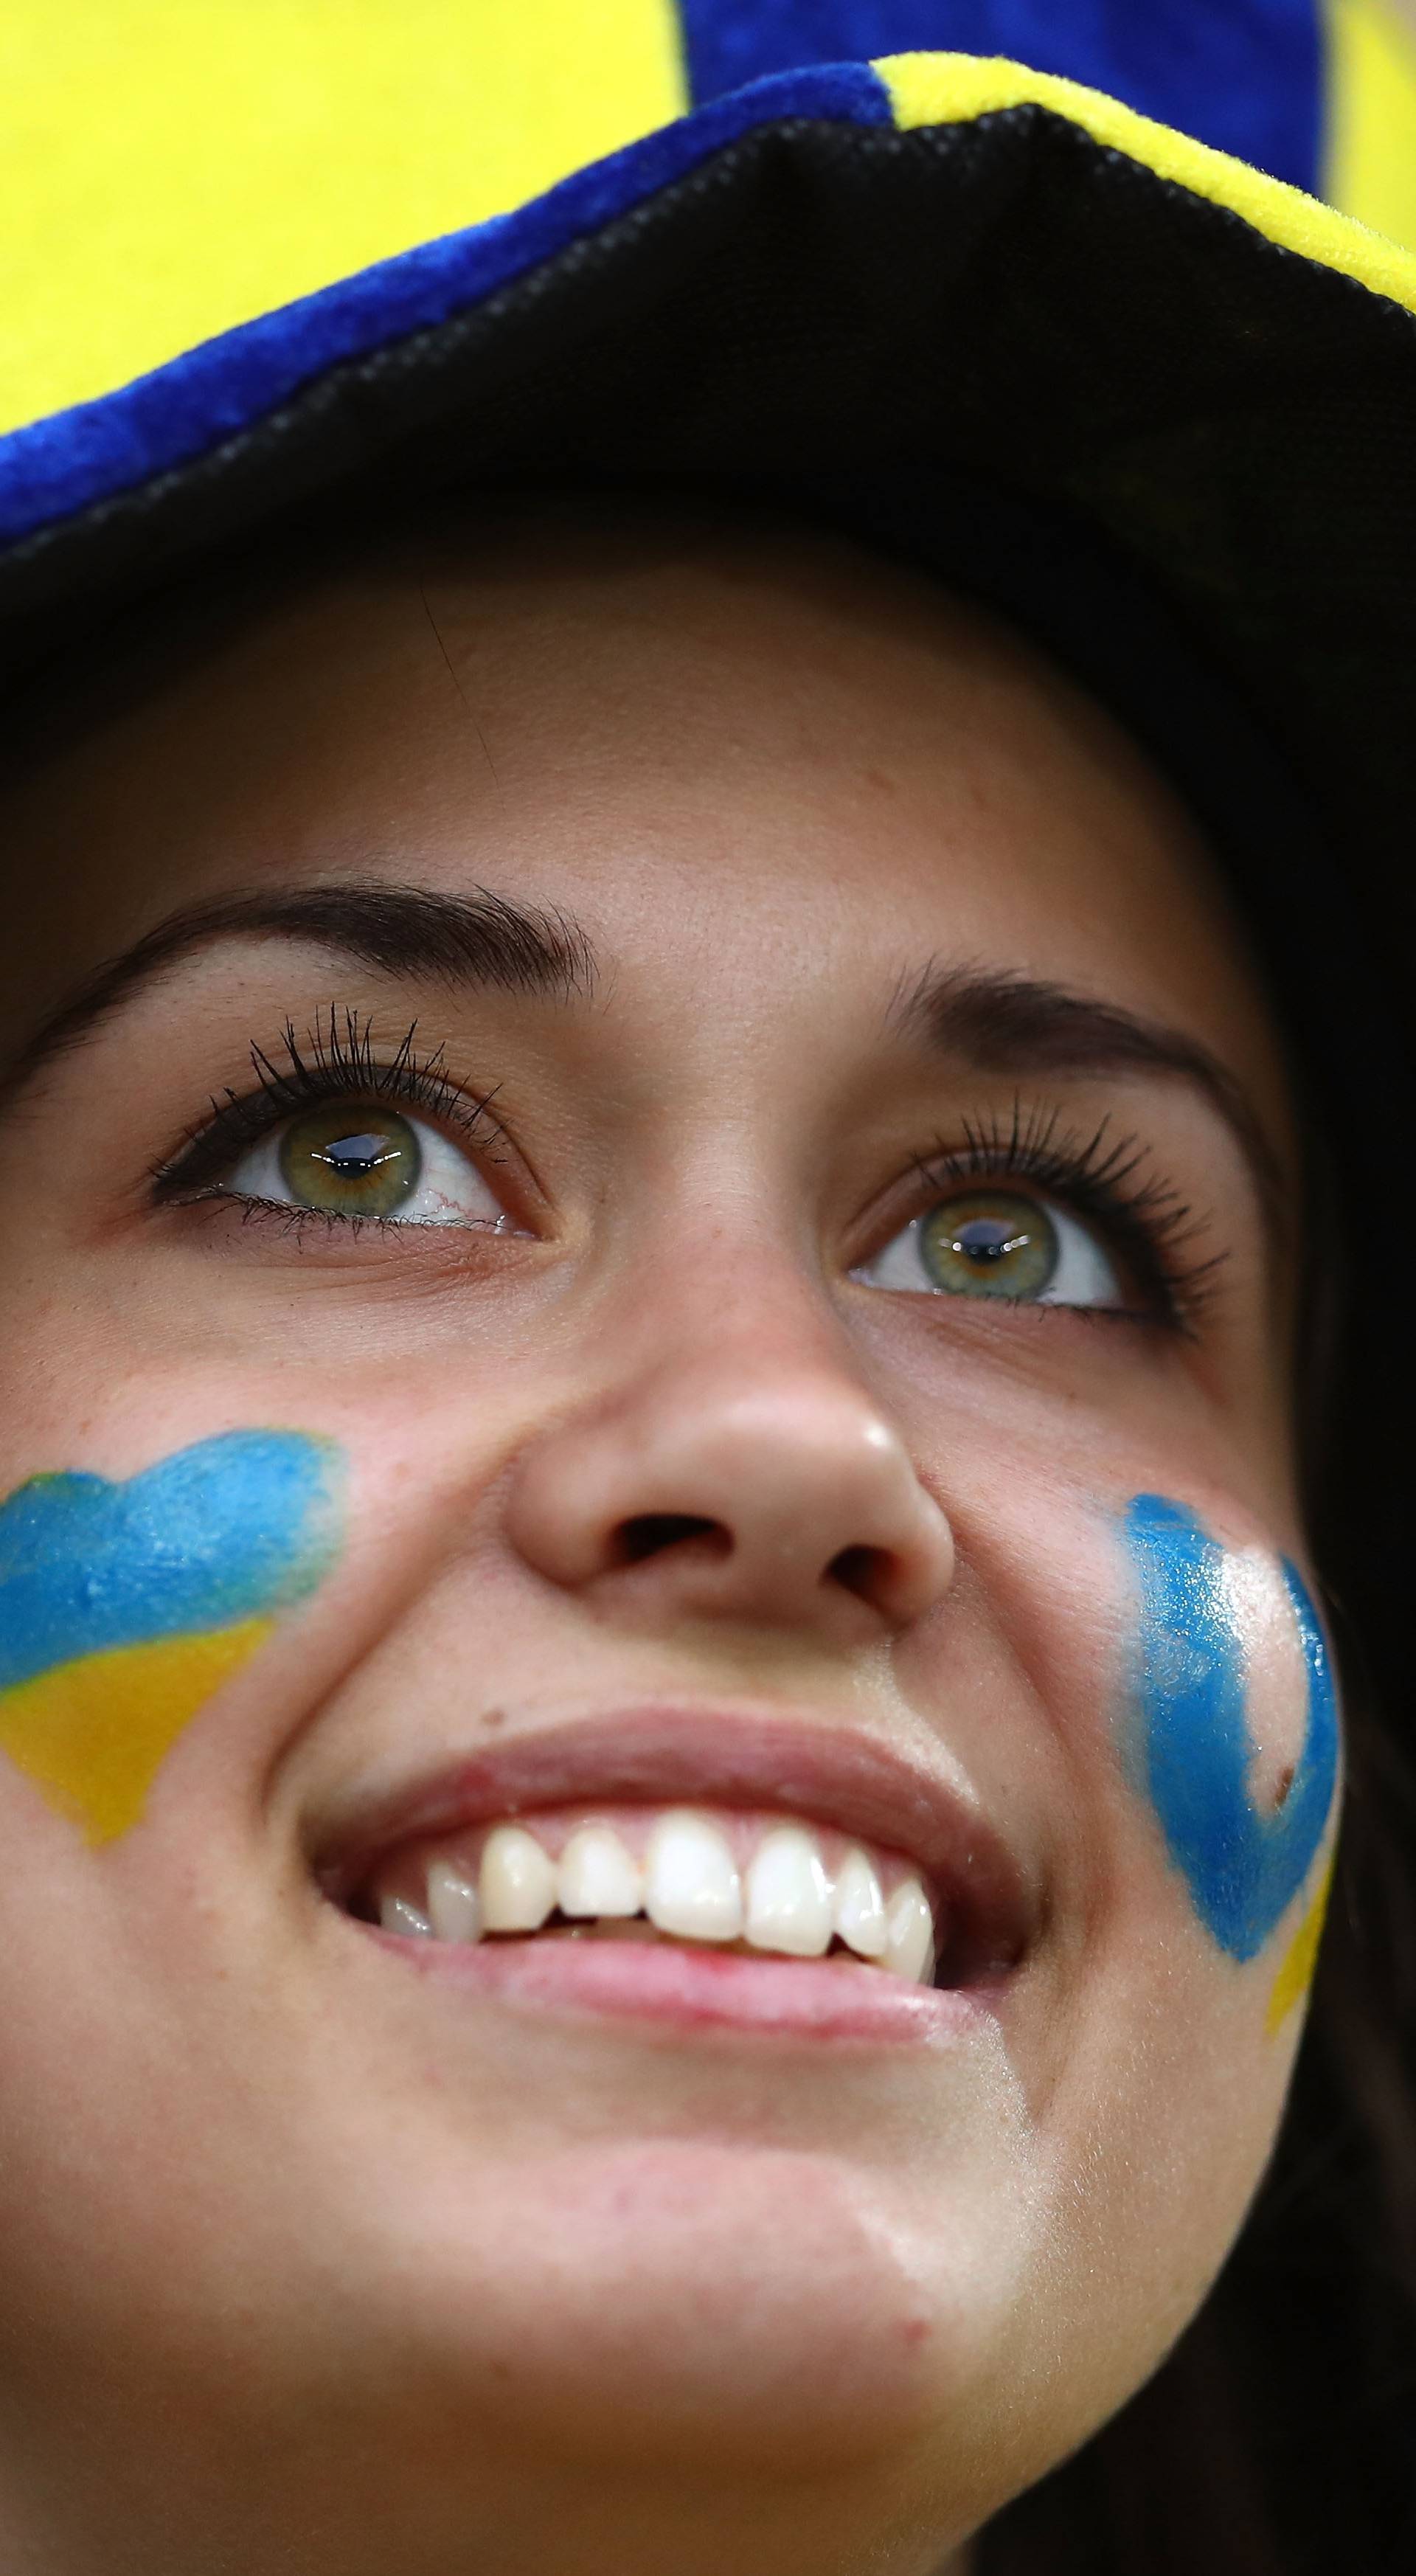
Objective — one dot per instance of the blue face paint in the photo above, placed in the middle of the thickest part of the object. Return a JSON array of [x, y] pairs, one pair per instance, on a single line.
[[228, 1530], [1242, 1867], [124, 1607]]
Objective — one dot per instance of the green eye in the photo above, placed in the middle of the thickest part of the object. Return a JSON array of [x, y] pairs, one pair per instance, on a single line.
[[990, 1243], [1001, 1243], [350, 1160]]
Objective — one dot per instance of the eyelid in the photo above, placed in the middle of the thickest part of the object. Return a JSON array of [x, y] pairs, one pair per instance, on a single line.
[[236, 1127], [1106, 1178], [336, 1061], [1083, 1260]]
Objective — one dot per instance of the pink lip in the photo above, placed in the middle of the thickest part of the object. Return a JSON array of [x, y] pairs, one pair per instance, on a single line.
[[818, 1771], [811, 1999]]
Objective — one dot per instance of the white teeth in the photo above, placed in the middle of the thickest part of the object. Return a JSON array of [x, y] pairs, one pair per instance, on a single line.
[[860, 1908], [397, 1915], [518, 1881], [789, 1895], [910, 1951], [597, 1875], [691, 1885], [453, 1904]]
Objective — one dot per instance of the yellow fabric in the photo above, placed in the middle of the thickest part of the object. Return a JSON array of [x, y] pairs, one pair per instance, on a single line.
[[947, 89], [171, 167], [1370, 145], [1295, 1973], [92, 1734]]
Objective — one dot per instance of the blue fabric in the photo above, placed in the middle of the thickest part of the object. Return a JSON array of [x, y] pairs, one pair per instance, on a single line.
[[1245, 75], [56, 466]]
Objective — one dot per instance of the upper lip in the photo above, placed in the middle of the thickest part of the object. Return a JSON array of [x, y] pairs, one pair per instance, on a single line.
[[829, 1773]]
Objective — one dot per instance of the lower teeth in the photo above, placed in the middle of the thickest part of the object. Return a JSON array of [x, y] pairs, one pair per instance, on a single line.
[[635, 1928]]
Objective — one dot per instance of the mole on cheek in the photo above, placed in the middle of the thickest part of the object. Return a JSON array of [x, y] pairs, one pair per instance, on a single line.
[[1196, 1753], [124, 1606]]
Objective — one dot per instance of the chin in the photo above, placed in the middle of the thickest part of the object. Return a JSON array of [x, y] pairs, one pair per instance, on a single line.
[[666, 2304]]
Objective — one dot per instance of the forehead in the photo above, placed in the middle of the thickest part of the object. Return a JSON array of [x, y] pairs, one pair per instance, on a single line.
[[713, 739]]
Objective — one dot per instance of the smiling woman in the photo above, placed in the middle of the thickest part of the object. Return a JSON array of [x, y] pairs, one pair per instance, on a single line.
[[704, 1078], [718, 1983]]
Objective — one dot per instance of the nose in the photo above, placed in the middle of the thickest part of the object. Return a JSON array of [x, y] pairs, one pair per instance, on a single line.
[[778, 1494]]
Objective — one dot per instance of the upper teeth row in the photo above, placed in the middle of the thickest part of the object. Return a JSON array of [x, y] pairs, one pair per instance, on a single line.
[[688, 1884]]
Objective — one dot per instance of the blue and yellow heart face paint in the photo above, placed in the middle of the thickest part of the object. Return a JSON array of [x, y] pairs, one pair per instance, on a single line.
[[123, 1607], [1242, 1866]]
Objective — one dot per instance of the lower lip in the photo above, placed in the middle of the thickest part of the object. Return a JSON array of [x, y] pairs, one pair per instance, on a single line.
[[698, 1989]]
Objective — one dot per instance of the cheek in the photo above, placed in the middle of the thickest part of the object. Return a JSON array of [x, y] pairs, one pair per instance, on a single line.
[[1254, 1600], [1234, 1732], [125, 1606]]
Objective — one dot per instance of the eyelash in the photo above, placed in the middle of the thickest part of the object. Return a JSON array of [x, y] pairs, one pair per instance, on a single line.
[[1100, 1176], [335, 1058]]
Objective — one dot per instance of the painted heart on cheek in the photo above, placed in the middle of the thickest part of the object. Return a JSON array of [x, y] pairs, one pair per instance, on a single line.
[[124, 1606], [1242, 1867]]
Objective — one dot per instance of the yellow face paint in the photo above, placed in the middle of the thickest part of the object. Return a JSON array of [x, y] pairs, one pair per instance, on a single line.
[[124, 1607], [92, 1733], [1300, 1959]]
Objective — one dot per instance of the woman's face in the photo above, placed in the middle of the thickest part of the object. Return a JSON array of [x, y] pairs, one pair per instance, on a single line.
[[679, 1222]]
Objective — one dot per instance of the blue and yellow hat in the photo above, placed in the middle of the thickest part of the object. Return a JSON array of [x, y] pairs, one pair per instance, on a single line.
[[1108, 310], [258, 247], [260, 250]]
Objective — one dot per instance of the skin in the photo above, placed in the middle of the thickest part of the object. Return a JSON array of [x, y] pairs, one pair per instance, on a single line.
[[311, 2264]]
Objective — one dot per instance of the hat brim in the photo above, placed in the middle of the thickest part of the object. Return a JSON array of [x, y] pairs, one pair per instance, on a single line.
[[934, 265], [896, 278]]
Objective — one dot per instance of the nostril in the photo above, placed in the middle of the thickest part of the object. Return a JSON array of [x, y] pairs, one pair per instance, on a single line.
[[650, 1533], [861, 1570]]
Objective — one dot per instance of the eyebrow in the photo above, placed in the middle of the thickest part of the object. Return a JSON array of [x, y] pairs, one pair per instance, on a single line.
[[1018, 1024], [483, 942], [999, 1021]]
